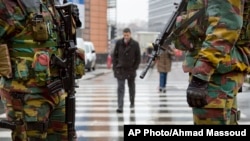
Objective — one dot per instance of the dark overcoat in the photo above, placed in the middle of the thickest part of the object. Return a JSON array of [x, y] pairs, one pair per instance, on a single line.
[[126, 59]]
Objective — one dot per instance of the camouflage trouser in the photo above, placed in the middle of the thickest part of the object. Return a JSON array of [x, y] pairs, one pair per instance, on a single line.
[[40, 117], [222, 103]]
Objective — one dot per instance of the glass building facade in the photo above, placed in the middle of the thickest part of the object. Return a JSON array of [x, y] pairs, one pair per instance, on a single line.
[[159, 12]]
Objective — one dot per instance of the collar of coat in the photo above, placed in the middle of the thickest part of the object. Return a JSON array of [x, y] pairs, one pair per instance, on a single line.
[[128, 43]]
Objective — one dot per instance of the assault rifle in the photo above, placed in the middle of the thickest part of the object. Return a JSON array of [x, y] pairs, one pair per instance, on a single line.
[[66, 64], [166, 36]]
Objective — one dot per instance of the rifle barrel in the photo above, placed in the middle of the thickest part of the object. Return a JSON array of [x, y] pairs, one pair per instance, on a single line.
[[166, 36]]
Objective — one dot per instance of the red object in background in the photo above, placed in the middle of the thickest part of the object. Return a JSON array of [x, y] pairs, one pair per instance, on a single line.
[[109, 61]]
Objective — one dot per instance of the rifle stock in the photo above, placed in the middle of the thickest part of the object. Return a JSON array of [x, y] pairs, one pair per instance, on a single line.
[[166, 36]]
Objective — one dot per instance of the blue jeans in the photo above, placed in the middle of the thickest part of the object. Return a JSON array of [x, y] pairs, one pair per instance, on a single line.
[[163, 80]]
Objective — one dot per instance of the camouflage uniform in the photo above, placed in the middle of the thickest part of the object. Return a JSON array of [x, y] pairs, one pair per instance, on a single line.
[[39, 115], [216, 52]]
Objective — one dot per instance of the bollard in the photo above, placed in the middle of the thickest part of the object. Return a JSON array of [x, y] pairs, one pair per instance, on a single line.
[[109, 61]]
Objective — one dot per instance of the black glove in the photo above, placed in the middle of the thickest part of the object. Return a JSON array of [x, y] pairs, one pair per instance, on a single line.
[[197, 92], [75, 14]]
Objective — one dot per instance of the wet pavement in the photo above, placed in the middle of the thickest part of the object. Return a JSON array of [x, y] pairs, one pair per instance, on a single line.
[[96, 117]]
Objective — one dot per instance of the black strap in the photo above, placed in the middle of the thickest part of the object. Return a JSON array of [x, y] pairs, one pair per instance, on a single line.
[[7, 124], [21, 6], [38, 126]]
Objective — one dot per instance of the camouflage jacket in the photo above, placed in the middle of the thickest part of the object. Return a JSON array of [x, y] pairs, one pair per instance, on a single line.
[[29, 51], [217, 42]]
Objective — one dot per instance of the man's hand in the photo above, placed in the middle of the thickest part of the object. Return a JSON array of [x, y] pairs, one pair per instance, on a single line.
[[197, 92]]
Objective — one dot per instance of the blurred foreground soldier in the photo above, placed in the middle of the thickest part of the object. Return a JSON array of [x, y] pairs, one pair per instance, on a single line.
[[126, 59], [28, 37], [217, 50]]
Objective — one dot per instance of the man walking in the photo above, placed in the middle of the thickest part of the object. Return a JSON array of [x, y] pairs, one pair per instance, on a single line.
[[126, 59]]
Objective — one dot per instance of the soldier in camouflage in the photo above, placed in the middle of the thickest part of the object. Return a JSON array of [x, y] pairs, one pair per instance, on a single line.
[[217, 58], [28, 30]]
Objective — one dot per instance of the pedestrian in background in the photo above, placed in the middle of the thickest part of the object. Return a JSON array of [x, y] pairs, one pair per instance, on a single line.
[[164, 64], [29, 36], [126, 59], [216, 46]]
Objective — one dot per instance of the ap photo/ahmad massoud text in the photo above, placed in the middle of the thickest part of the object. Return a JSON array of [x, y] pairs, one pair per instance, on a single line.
[[164, 131]]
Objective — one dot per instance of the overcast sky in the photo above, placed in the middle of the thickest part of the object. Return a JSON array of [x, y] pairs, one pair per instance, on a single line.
[[132, 10]]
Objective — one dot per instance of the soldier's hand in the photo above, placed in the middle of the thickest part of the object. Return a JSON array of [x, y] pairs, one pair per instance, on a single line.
[[197, 92]]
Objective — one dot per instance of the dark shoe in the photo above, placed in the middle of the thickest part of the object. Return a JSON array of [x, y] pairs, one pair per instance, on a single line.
[[132, 111], [132, 105], [160, 90], [164, 91], [119, 111]]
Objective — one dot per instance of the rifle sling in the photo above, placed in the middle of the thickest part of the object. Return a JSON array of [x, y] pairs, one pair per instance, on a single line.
[[21, 6], [188, 22]]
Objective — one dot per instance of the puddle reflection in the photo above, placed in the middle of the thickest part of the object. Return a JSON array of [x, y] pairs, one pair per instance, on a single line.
[[163, 103], [163, 100], [132, 116], [120, 119]]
